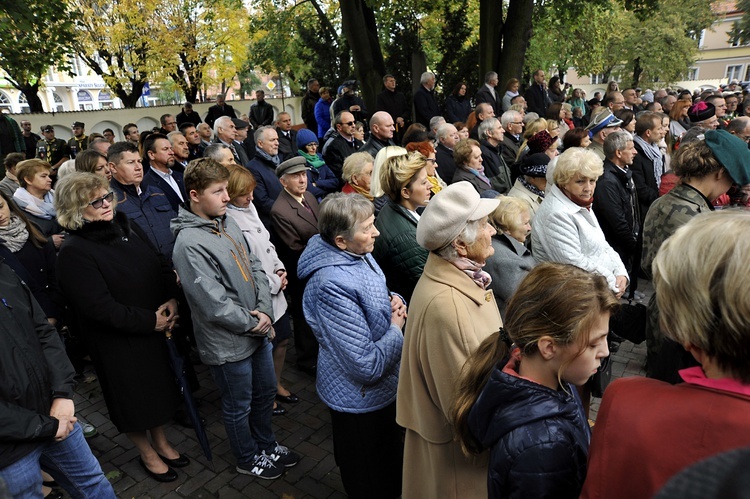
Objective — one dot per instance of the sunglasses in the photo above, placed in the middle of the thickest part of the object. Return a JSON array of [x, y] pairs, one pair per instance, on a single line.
[[99, 202], [350, 123]]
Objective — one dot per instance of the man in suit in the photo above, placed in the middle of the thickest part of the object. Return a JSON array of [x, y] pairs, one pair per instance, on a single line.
[[488, 93], [287, 136], [261, 113], [245, 145], [263, 167], [425, 103], [226, 133], [221, 108], [295, 220], [536, 95], [447, 137], [157, 149], [181, 151]]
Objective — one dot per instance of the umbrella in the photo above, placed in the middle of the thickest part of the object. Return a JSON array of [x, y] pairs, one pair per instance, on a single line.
[[178, 366]]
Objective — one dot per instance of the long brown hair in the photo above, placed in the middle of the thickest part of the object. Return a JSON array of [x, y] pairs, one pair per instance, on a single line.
[[556, 300], [35, 235]]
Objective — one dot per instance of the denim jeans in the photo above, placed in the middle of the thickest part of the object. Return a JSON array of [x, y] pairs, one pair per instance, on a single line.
[[70, 462], [248, 388]]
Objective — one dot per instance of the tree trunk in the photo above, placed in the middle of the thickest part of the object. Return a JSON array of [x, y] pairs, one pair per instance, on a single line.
[[130, 99], [490, 36], [360, 29], [32, 96], [515, 39]]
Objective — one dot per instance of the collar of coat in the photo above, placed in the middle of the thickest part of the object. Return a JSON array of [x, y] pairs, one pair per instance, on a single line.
[[444, 272]]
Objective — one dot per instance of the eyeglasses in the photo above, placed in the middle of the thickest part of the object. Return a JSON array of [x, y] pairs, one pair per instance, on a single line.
[[99, 202], [431, 160], [350, 123]]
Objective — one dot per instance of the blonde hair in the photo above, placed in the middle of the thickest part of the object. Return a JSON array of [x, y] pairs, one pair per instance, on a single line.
[[577, 161], [399, 172], [555, 300], [29, 168], [241, 181], [701, 288], [73, 195], [380, 158], [507, 215], [354, 164], [535, 126]]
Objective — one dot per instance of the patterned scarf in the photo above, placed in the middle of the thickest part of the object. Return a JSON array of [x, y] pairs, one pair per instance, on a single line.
[[14, 235], [653, 153], [530, 187], [276, 160], [473, 270]]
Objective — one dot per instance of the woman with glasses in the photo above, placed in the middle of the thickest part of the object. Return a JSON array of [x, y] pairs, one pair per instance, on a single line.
[[427, 150], [321, 181], [121, 297]]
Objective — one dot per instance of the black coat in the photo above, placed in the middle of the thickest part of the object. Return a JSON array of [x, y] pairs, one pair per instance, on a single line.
[[261, 114], [425, 106], [465, 175], [457, 109], [287, 146], [537, 100], [114, 281], [616, 209], [484, 95], [34, 368], [215, 112], [538, 438], [337, 151], [393, 103], [308, 111], [40, 263], [446, 163], [495, 168], [644, 179], [193, 118]]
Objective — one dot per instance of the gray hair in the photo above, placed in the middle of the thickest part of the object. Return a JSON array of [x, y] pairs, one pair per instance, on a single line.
[[260, 131], [529, 118], [468, 236], [444, 130], [172, 135], [355, 163], [222, 122], [486, 126], [340, 213], [490, 76], [509, 117], [436, 121], [213, 151], [616, 141], [73, 194], [426, 76]]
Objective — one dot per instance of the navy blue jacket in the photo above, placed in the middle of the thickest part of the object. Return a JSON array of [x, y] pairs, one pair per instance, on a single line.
[[154, 179], [268, 187], [538, 438]]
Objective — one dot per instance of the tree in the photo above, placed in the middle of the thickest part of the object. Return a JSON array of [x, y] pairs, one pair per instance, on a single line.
[[115, 40], [741, 29], [504, 35], [34, 36]]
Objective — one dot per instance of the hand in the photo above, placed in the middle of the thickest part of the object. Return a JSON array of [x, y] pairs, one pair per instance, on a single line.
[[264, 322], [62, 407], [400, 121], [398, 311], [621, 282], [66, 425], [168, 310], [282, 275], [57, 240], [177, 278]]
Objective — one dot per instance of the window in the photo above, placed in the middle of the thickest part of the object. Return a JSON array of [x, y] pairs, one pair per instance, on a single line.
[[692, 74], [24, 103], [58, 102], [5, 103], [598, 79], [747, 73], [734, 72]]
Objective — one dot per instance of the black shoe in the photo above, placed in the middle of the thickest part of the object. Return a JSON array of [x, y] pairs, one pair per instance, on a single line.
[[180, 462], [289, 399], [311, 370], [54, 494], [279, 411], [169, 476]]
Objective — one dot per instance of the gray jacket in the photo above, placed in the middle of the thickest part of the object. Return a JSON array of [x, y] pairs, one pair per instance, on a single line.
[[223, 283], [508, 266]]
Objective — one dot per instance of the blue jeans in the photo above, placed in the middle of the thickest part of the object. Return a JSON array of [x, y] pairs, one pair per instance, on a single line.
[[248, 388], [69, 462]]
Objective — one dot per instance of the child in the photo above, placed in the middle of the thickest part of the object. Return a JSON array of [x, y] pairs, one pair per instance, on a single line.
[[518, 399], [232, 313]]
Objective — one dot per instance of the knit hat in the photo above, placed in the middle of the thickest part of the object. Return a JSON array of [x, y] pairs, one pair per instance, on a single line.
[[540, 141], [449, 211], [732, 153], [701, 111], [535, 165], [304, 137]]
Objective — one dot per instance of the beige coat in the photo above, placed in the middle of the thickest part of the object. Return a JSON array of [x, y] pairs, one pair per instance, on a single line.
[[521, 192], [449, 316]]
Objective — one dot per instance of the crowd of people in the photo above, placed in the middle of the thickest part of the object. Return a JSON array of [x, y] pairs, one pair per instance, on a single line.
[[449, 276]]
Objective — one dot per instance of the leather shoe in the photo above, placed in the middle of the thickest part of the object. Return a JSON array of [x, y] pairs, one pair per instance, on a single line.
[[169, 476], [180, 462], [289, 399], [279, 411]]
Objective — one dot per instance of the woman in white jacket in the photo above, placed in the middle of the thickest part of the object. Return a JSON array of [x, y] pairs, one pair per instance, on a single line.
[[566, 229], [241, 209]]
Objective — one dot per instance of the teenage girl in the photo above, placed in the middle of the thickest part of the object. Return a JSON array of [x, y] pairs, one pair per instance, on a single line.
[[517, 397]]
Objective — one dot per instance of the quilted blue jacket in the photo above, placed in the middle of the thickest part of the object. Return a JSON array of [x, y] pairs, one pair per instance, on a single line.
[[347, 305]]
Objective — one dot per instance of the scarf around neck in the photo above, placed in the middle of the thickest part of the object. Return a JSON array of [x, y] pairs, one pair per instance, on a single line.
[[473, 270], [530, 187], [653, 153], [15, 234], [276, 160], [312, 159], [42, 208]]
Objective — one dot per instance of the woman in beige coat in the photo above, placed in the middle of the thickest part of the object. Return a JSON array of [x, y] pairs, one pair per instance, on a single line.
[[451, 312]]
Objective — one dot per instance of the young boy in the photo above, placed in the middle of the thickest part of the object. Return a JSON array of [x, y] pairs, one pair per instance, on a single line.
[[232, 314]]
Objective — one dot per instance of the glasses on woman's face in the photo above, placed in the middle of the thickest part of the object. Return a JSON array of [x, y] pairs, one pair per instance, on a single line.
[[99, 202]]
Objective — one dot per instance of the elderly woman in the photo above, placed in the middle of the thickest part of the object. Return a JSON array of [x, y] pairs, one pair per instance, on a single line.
[[452, 311], [357, 173], [530, 186], [358, 325], [427, 150], [121, 295], [707, 413], [243, 211], [404, 181], [36, 197], [706, 169], [93, 162], [468, 157], [565, 228], [321, 181], [512, 260]]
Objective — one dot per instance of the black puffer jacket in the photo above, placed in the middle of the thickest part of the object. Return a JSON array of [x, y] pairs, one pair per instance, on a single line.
[[538, 438], [33, 369]]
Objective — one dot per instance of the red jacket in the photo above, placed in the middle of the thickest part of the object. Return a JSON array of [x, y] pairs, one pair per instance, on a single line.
[[647, 431]]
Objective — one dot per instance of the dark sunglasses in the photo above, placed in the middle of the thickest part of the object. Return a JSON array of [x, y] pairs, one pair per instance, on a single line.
[[99, 202]]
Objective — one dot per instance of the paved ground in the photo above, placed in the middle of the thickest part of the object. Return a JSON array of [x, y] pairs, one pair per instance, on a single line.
[[306, 429]]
